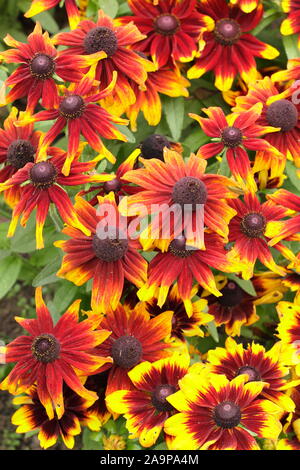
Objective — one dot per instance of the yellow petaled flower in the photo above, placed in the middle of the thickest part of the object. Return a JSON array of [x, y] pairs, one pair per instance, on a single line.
[[114, 442], [146, 407], [217, 414], [289, 332]]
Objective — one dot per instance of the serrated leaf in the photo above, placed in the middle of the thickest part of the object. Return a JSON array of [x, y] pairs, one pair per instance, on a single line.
[[9, 271], [174, 112], [247, 286]]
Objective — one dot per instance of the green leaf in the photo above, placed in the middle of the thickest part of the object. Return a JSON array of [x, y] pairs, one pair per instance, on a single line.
[[174, 112], [9, 271], [291, 172], [47, 22], [247, 286], [269, 16], [212, 329], [24, 238], [48, 274], [224, 167], [110, 7], [130, 137], [64, 296], [290, 46]]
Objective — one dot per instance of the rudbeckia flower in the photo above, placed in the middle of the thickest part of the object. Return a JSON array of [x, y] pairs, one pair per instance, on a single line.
[[292, 424], [182, 324], [280, 111], [183, 264], [182, 186], [165, 81], [217, 414], [153, 147], [18, 146], [32, 416], [116, 41], [289, 331], [288, 444], [108, 261], [41, 184], [247, 230], [173, 29], [258, 364], [287, 228], [146, 408], [229, 49], [77, 109], [246, 5], [291, 25], [37, 6], [234, 135], [98, 384], [135, 338], [52, 355], [40, 61]]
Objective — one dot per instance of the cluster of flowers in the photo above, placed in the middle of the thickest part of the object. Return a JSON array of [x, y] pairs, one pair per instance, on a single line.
[[131, 356]]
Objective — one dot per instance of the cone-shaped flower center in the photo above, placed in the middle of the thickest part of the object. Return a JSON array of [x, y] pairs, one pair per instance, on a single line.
[[153, 146], [43, 174], [113, 185], [71, 107], [19, 153], [159, 396], [253, 225], [178, 247], [227, 31], [227, 414], [45, 348], [166, 24], [283, 114], [42, 66], [252, 373], [232, 295], [99, 39], [232, 136], [111, 248], [189, 190], [126, 351]]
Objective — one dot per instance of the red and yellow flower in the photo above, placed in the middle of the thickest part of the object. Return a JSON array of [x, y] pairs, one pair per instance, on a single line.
[[146, 408], [246, 5], [107, 259], [278, 111], [135, 338], [52, 355], [287, 228], [32, 416], [182, 187], [234, 135], [40, 61], [172, 28], [217, 414], [291, 25], [288, 444], [117, 42], [247, 230], [40, 184], [37, 6], [79, 111], [258, 364], [289, 331], [229, 49], [18, 146]]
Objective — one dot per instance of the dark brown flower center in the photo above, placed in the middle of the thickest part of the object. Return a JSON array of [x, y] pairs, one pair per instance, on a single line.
[[232, 295], [166, 24], [71, 107], [227, 31], [42, 66], [43, 174], [112, 248], [232, 136], [227, 414], [178, 247], [101, 38], [159, 396], [45, 348], [283, 114], [126, 351], [189, 190], [252, 373], [253, 225], [153, 146], [113, 185], [19, 153]]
